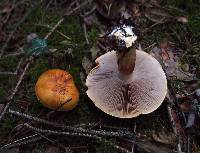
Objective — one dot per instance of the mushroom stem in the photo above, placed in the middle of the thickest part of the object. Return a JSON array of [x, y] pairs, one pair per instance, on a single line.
[[126, 60]]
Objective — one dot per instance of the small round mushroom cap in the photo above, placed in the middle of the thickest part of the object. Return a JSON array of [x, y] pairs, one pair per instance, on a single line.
[[56, 90], [127, 96]]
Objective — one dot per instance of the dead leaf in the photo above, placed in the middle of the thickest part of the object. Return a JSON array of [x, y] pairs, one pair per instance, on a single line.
[[13, 150], [190, 120], [52, 149], [164, 137], [82, 77], [171, 63], [152, 147], [185, 106], [134, 9], [87, 64]]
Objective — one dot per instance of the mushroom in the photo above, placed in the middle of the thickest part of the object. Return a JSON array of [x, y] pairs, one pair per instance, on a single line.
[[126, 82], [56, 90]]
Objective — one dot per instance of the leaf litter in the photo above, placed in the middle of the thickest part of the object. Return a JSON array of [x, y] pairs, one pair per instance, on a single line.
[[165, 54]]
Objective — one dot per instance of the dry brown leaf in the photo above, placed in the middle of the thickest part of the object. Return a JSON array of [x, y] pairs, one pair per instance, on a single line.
[[164, 137], [171, 64], [52, 149], [157, 15], [152, 147]]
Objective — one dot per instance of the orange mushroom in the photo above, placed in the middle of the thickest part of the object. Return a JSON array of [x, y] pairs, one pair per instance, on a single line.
[[56, 90]]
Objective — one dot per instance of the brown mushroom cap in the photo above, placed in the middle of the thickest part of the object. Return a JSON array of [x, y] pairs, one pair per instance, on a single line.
[[127, 96]]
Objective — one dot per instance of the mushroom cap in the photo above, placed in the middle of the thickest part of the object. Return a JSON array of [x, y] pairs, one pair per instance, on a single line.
[[55, 88], [127, 96]]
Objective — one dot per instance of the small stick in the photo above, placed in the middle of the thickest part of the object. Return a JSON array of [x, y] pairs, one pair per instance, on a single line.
[[60, 106], [21, 143], [54, 28], [75, 134], [17, 141], [96, 132], [85, 33], [174, 127], [18, 53], [89, 12], [152, 26], [133, 146], [49, 27], [60, 133]]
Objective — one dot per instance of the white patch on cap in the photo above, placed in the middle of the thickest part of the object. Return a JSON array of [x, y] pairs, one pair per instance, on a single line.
[[125, 33]]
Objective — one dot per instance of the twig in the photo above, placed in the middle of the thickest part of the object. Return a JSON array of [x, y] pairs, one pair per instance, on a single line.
[[17, 53], [21, 143], [15, 90], [16, 71], [85, 33], [54, 28], [133, 146], [71, 128], [174, 127], [152, 45], [60, 132], [89, 12], [12, 33], [17, 141], [50, 140], [152, 26], [49, 27], [75, 134], [60, 106], [102, 47]]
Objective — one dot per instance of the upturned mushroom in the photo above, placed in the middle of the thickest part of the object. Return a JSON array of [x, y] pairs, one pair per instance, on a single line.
[[56, 90], [126, 82]]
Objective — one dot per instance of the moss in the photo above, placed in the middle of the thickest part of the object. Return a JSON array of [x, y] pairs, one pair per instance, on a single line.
[[7, 83], [9, 63], [104, 147], [93, 34], [7, 125], [37, 69]]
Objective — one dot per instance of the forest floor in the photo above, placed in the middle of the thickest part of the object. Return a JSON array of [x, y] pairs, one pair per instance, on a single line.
[[168, 30]]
